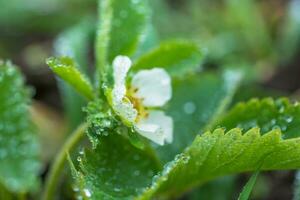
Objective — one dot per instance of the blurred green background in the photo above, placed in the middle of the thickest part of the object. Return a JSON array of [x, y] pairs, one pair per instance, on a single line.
[[259, 36], [262, 37]]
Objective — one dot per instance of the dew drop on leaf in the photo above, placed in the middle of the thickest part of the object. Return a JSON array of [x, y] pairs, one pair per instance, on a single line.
[[288, 119], [136, 173], [87, 192], [189, 107], [273, 122], [185, 159], [116, 189], [81, 152], [154, 179], [283, 128]]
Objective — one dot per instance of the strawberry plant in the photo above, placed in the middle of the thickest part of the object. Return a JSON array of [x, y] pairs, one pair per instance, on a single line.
[[152, 123]]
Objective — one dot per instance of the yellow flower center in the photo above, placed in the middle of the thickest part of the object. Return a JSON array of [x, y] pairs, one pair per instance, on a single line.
[[137, 104]]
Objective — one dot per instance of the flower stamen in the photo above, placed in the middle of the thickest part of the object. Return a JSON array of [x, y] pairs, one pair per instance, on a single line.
[[137, 104]]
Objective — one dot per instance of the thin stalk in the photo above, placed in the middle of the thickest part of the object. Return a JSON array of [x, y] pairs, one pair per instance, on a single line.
[[59, 162]]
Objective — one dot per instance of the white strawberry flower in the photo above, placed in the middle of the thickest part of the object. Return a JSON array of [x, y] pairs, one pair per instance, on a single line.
[[137, 105]]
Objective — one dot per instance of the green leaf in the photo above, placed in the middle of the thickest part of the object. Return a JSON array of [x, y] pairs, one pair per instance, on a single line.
[[217, 154], [19, 159], [66, 69], [120, 29], [245, 194], [266, 114], [248, 91], [115, 170], [150, 40], [74, 42], [102, 121], [196, 101], [178, 57]]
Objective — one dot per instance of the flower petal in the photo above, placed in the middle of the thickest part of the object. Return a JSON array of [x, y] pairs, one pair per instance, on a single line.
[[125, 110], [157, 127], [121, 65], [151, 132], [121, 105], [153, 86]]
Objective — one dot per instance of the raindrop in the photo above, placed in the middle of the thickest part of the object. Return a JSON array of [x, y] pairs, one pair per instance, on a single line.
[[189, 107], [276, 127], [106, 123], [283, 128], [116, 189], [273, 122], [87, 192], [136, 173], [288, 119], [81, 152], [185, 159], [155, 178], [105, 133]]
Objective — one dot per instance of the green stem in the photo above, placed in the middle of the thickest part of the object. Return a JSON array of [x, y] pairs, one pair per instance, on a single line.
[[59, 162]]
